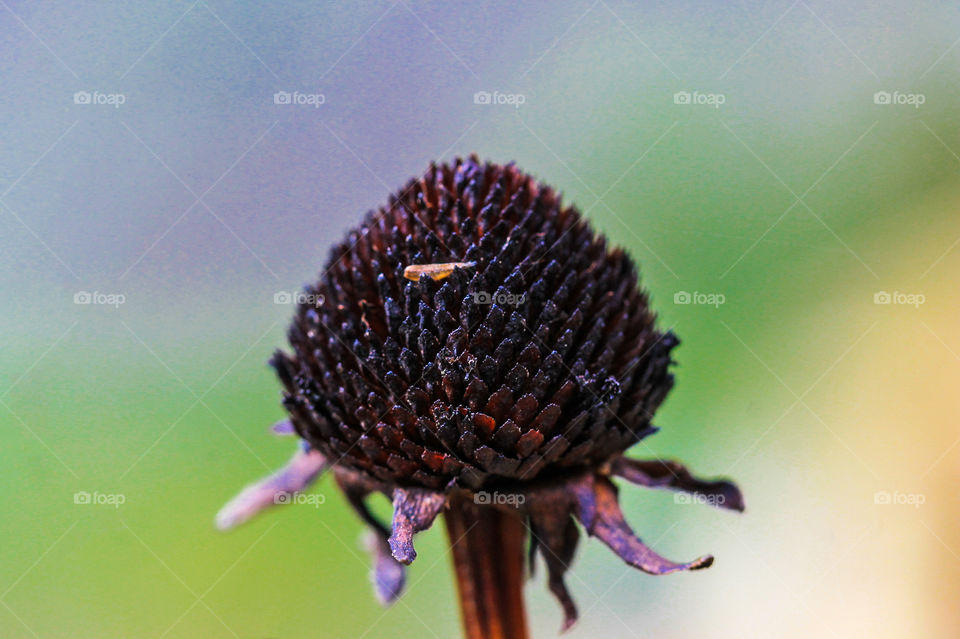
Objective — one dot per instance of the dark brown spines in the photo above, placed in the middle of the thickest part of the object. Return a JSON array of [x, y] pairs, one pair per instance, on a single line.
[[544, 355]]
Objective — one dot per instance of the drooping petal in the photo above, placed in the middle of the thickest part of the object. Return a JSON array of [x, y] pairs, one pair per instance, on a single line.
[[388, 574], [414, 509], [555, 534], [659, 473], [583, 494], [283, 428], [609, 527], [302, 469]]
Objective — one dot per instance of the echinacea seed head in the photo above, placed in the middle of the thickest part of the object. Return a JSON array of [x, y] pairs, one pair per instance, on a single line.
[[441, 381], [476, 338]]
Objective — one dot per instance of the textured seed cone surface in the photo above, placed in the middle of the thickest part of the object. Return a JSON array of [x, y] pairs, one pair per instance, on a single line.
[[541, 357], [514, 371]]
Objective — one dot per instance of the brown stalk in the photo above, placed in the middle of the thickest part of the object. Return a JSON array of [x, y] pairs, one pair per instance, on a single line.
[[488, 558]]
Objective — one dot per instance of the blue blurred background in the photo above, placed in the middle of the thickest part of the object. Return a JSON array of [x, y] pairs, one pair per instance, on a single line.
[[786, 174]]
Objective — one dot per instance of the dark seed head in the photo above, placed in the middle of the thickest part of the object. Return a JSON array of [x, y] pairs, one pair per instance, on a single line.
[[529, 347], [476, 335]]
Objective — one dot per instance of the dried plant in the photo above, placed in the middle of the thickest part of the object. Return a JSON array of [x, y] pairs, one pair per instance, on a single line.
[[480, 353]]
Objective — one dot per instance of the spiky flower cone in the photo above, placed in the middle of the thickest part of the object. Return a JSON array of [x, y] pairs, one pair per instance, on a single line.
[[479, 348]]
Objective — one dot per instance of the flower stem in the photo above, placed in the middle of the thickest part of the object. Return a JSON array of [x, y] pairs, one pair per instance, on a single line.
[[488, 556]]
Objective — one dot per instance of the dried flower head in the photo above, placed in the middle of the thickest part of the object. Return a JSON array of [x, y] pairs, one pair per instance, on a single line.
[[481, 349]]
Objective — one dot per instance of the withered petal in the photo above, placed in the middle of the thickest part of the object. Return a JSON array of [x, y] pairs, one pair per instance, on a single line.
[[555, 534], [608, 525], [661, 473], [302, 469], [284, 428], [388, 574], [414, 509]]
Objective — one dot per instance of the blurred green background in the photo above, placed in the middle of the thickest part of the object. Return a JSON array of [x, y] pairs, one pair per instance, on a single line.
[[801, 199]]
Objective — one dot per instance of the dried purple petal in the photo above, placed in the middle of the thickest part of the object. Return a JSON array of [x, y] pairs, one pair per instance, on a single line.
[[660, 473], [302, 469], [414, 509], [555, 535], [388, 575], [283, 428], [604, 520]]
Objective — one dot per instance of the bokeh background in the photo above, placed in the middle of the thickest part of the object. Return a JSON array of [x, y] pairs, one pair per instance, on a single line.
[[785, 188]]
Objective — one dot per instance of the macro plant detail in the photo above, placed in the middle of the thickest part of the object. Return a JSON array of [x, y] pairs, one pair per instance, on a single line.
[[412, 379]]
